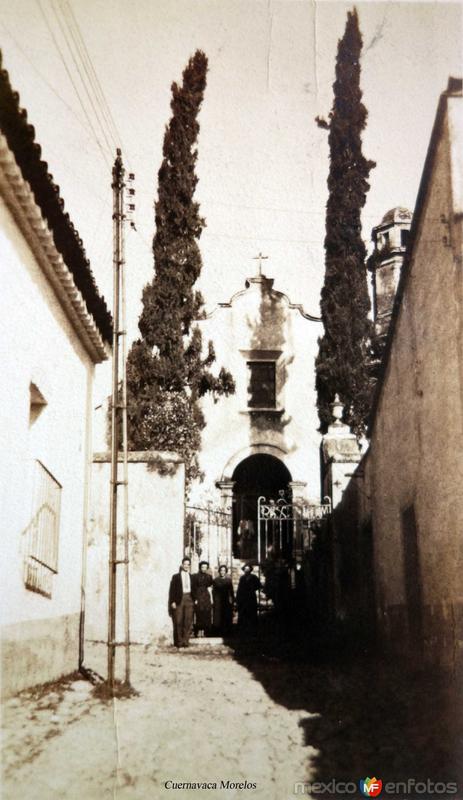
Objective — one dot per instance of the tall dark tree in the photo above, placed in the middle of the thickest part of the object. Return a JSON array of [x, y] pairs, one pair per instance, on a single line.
[[167, 371], [343, 357]]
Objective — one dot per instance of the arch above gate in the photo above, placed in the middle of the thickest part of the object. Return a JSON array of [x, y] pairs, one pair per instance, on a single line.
[[252, 450]]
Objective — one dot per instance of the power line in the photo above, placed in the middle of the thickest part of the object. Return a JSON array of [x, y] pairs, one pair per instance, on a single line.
[[69, 74], [305, 211], [106, 108], [262, 208], [43, 78], [259, 238], [82, 79], [148, 246], [103, 117], [84, 56], [100, 105], [107, 119]]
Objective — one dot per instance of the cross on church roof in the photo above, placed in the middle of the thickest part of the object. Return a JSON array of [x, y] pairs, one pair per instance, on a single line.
[[260, 258]]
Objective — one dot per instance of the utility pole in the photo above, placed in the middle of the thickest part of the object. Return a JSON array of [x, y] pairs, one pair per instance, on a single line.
[[118, 429]]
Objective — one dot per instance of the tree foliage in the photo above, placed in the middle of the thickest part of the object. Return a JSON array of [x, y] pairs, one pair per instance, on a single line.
[[167, 370], [342, 361]]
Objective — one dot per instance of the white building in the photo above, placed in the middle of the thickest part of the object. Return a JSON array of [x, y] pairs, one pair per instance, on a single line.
[[263, 439], [54, 328]]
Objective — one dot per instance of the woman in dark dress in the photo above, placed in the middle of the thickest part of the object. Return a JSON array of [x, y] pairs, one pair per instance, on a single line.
[[223, 597], [246, 600], [203, 606]]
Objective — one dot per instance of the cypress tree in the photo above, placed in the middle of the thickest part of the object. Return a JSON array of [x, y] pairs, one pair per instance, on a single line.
[[167, 371], [342, 364]]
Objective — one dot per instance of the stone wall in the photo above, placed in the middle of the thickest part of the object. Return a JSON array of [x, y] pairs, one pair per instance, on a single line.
[[416, 457], [407, 491], [353, 552], [156, 518]]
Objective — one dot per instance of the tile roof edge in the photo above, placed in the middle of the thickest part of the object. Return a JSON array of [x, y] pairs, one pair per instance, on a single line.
[[20, 136], [20, 200]]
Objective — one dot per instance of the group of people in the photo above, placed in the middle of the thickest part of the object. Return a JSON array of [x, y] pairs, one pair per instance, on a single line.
[[207, 603]]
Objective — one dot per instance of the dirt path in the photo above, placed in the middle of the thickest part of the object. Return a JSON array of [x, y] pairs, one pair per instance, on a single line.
[[199, 718], [248, 715]]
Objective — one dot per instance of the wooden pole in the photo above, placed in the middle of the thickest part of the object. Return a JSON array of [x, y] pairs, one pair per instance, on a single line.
[[117, 187]]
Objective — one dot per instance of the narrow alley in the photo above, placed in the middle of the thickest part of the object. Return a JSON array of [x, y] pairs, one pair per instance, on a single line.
[[258, 719]]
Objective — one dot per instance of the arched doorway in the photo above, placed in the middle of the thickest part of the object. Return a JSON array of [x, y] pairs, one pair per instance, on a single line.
[[259, 475]]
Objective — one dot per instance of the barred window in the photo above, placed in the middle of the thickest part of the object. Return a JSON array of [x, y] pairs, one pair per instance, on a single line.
[[261, 387], [42, 533]]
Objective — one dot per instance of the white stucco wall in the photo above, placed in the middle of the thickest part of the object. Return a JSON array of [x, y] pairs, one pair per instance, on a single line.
[[39, 345], [260, 319], [156, 517]]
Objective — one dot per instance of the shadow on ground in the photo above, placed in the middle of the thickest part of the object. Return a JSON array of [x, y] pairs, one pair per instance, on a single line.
[[374, 719]]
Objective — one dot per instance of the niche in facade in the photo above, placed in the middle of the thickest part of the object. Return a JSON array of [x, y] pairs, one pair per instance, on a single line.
[[37, 403]]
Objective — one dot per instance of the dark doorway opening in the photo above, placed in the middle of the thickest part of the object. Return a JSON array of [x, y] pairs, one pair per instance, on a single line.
[[256, 476]]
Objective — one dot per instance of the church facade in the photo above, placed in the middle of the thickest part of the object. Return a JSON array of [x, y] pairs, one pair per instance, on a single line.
[[261, 441]]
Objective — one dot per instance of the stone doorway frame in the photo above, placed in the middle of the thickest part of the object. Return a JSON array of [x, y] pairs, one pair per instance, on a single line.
[[226, 485]]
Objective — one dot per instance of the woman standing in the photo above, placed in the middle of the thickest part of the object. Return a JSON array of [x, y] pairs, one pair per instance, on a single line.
[[246, 600], [223, 596], [203, 607]]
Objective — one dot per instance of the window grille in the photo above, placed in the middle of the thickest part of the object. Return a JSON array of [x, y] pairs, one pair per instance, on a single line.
[[42, 533], [261, 388]]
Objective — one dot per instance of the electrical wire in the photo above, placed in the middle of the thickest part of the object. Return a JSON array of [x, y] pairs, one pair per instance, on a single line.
[[82, 79], [69, 74], [78, 50], [94, 93], [42, 77], [305, 211], [104, 111], [259, 238], [95, 83]]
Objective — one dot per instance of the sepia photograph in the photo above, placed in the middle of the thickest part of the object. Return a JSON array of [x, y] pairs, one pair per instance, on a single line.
[[231, 348]]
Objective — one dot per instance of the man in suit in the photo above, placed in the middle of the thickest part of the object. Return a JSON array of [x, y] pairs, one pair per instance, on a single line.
[[181, 603]]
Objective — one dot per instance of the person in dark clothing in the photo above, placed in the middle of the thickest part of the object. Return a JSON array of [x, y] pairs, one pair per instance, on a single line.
[[181, 603], [203, 607], [246, 600], [298, 598], [223, 598], [282, 597]]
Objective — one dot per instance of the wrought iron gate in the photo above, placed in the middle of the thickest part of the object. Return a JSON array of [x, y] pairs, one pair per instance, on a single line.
[[285, 530], [208, 534]]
